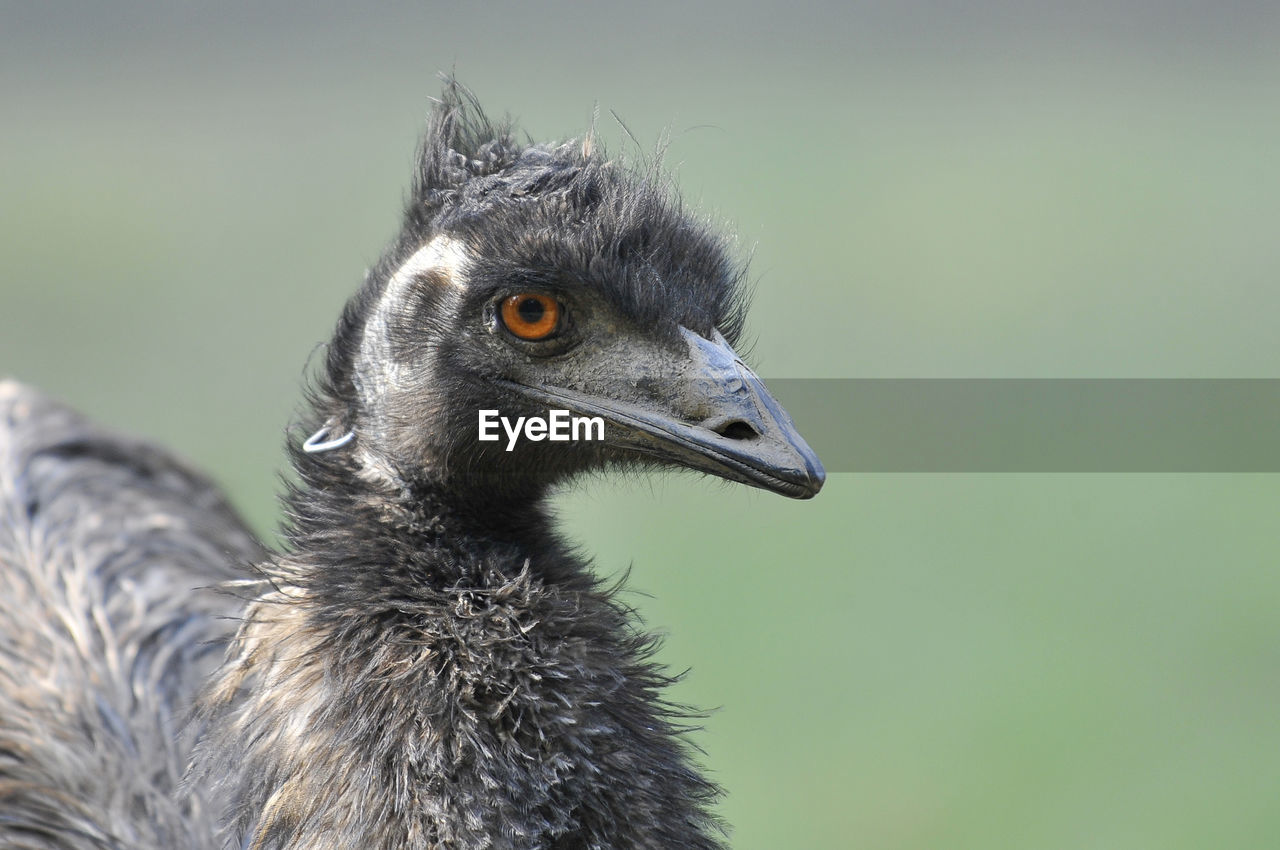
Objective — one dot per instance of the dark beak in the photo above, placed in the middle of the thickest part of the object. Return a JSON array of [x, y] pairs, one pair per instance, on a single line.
[[714, 415]]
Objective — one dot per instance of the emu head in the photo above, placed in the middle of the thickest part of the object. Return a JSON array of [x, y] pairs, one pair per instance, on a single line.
[[531, 278]]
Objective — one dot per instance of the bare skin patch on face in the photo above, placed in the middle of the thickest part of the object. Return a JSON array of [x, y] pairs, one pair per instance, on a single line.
[[381, 375], [442, 261], [443, 258]]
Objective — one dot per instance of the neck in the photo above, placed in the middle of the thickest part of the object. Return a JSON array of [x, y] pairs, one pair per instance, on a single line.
[[424, 672], [355, 543]]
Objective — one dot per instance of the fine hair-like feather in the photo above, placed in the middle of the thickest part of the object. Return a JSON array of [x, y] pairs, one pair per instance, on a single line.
[[108, 546]]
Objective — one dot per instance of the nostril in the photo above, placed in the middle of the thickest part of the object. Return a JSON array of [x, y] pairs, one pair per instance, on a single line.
[[736, 429]]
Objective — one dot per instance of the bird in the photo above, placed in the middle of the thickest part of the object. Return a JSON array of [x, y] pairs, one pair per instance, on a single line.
[[424, 661]]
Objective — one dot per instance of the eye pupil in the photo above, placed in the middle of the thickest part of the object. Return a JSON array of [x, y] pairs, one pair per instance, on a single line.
[[531, 310]]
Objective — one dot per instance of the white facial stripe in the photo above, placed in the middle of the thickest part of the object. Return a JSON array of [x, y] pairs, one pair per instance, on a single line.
[[442, 254], [379, 375]]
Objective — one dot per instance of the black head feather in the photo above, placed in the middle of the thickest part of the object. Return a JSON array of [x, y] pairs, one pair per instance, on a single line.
[[575, 211]]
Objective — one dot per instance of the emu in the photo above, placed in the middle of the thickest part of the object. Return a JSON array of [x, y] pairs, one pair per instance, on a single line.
[[426, 663]]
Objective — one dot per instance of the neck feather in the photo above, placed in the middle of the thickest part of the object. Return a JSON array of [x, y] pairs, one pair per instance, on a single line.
[[418, 672]]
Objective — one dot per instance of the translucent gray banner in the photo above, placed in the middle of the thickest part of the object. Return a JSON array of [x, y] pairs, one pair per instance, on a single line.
[[1039, 425]]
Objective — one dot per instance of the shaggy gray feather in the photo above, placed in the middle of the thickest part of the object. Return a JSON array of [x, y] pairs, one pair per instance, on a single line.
[[105, 631]]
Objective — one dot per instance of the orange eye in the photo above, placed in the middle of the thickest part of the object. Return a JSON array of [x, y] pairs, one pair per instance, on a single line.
[[530, 316]]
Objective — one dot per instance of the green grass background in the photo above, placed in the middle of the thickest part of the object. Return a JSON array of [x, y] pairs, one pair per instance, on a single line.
[[188, 192]]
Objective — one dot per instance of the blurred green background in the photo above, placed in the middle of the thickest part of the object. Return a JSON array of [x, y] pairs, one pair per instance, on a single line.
[[189, 190]]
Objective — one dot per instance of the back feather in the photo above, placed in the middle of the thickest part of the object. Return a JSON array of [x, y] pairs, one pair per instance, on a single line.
[[108, 546]]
